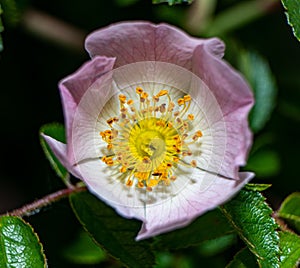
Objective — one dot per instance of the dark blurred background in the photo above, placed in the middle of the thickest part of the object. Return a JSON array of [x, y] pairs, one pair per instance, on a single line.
[[33, 62]]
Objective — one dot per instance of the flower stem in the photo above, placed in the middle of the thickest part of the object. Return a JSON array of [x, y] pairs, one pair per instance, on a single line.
[[37, 205]]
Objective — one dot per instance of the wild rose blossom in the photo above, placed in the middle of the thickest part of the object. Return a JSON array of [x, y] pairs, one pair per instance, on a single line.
[[156, 124]]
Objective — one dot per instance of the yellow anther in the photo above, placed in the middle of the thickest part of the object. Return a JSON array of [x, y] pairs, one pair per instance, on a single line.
[[130, 102], [169, 124], [102, 134], [176, 159], [180, 101], [139, 90], [191, 117], [176, 137], [144, 95], [103, 158], [155, 98], [122, 98], [199, 134], [109, 161], [129, 183], [109, 146], [160, 123], [110, 121], [140, 184], [187, 98], [123, 169], [107, 132], [193, 163], [152, 183], [162, 93]]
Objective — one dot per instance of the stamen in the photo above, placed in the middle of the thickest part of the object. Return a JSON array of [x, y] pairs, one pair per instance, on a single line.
[[149, 141]]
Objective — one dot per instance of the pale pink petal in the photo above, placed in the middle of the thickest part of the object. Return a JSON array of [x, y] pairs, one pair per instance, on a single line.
[[143, 41], [189, 204], [235, 99], [73, 87]]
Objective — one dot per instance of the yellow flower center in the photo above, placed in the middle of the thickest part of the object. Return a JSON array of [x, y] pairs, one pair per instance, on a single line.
[[147, 144]]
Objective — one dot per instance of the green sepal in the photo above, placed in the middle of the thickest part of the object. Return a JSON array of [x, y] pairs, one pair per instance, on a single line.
[[56, 131], [259, 187]]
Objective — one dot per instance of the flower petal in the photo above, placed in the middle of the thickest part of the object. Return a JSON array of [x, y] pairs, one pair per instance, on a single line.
[[73, 87], [143, 41], [235, 99], [189, 204]]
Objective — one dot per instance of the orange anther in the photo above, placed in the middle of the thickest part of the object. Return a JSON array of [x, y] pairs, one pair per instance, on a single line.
[[109, 146], [129, 102], [122, 98], [123, 169], [191, 117], [187, 98], [139, 90], [193, 163], [144, 95], [162, 93], [180, 101], [199, 134]]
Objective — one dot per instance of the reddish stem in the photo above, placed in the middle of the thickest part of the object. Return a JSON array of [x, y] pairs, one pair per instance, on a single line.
[[35, 206]]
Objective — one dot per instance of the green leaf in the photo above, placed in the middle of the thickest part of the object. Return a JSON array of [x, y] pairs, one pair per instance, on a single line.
[[209, 226], [259, 187], [264, 163], [57, 132], [290, 250], [293, 15], [251, 217], [259, 75], [290, 210], [172, 2], [83, 250], [111, 231], [243, 259], [19, 245]]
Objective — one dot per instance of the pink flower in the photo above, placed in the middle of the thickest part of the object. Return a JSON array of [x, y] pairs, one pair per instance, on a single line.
[[156, 124]]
